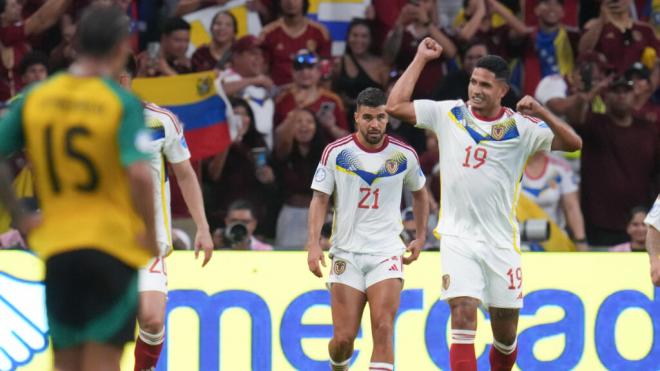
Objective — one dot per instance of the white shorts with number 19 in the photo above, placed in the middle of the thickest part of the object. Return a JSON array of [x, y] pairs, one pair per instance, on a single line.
[[477, 270], [360, 271]]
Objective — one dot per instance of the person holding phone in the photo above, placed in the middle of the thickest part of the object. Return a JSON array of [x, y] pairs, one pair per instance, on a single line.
[[306, 92]]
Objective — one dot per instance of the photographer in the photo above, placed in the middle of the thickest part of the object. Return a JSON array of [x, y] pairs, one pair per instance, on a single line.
[[238, 233], [168, 57]]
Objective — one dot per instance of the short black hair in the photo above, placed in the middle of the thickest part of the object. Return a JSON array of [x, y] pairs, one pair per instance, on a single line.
[[100, 29], [371, 97], [241, 204], [32, 58], [496, 65], [173, 24]]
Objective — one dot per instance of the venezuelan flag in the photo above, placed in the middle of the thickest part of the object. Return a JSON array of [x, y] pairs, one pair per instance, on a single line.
[[198, 105]]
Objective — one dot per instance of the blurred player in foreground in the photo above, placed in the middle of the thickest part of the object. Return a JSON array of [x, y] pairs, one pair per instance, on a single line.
[[167, 145], [367, 172], [653, 241], [87, 141], [483, 151]]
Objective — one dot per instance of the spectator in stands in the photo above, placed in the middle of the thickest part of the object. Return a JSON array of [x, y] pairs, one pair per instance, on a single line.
[[170, 57], [33, 67], [64, 53], [636, 230], [455, 84], [306, 92], [619, 165], [246, 79], [505, 40], [216, 54], [549, 182], [241, 172], [359, 68], [643, 89], [411, 28], [614, 33], [299, 144], [293, 31], [384, 14], [240, 224], [551, 48], [14, 34]]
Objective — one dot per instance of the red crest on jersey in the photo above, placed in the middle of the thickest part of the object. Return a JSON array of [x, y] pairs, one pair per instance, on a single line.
[[498, 131], [391, 166]]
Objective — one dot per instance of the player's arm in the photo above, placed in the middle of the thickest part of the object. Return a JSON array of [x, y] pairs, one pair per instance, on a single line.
[[565, 138], [133, 142], [317, 211], [399, 104], [421, 214], [192, 195], [653, 241]]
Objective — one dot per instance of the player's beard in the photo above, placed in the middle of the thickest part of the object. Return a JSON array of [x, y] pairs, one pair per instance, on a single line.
[[373, 137]]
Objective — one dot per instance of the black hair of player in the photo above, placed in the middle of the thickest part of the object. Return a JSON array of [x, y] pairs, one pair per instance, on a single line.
[[241, 204], [32, 58], [252, 138], [100, 30], [228, 14], [495, 64], [371, 97], [174, 24], [278, 7]]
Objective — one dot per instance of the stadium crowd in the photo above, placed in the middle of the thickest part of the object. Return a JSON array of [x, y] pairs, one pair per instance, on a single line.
[[594, 63]]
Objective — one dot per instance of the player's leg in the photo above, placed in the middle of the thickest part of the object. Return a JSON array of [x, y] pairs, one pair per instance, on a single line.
[[504, 298], [383, 298], [92, 352], [347, 301], [463, 284], [384, 280], [68, 359], [152, 285]]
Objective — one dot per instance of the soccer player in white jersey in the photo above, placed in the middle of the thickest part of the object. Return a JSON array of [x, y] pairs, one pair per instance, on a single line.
[[483, 149], [366, 172], [168, 145], [653, 241]]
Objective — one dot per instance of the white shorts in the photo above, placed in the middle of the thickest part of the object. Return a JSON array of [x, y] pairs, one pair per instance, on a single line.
[[477, 270], [153, 276], [360, 271]]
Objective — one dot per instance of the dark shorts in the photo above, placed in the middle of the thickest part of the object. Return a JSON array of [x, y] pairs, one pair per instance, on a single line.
[[90, 297]]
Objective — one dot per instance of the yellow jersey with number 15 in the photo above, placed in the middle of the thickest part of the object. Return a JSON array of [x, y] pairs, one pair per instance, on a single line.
[[80, 133]]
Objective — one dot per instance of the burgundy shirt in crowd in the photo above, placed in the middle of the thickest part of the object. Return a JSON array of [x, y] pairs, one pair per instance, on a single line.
[[286, 102], [203, 60], [10, 80], [622, 49], [619, 169], [387, 12], [280, 48], [296, 173]]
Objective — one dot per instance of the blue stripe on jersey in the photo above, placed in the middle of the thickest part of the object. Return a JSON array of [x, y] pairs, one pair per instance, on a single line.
[[157, 133], [507, 125], [394, 165]]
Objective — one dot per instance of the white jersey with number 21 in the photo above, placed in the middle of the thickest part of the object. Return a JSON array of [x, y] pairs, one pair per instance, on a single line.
[[481, 166], [367, 185]]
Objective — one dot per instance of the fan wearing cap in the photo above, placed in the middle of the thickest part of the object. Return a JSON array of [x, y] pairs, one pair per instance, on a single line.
[[282, 38], [643, 89], [615, 34], [620, 164], [245, 79], [306, 92]]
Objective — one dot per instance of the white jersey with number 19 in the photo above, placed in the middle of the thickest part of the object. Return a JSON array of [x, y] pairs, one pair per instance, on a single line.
[[481, 166], [368, 185]]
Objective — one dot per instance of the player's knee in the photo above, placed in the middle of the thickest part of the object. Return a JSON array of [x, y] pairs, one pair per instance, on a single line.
[[152, 324], [463, 314], [344, 341], [507, 339], [383, 330]]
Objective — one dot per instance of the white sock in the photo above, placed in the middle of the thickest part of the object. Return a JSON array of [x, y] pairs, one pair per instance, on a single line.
[[152, 339], [381, 366], [339, 366], [463, 336], [505, 349]]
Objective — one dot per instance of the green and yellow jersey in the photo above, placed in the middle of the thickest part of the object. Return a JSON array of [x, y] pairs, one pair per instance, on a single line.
[[80, 133]]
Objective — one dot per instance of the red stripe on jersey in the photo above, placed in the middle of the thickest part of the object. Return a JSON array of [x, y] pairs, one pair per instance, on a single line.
[[532, 119], [169, 114], [333, 145], [404, 145]]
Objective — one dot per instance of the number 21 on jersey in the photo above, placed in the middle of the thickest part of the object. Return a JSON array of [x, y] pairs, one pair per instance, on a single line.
[[368, 198]]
